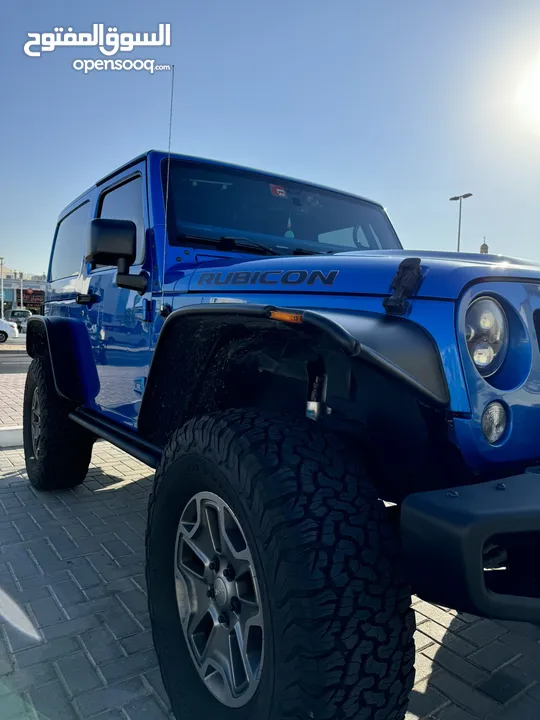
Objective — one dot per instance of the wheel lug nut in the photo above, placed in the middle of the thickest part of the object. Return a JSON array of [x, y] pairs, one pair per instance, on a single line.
[[214, 565], [223, 619], [235, 605], [211, 593], [229, 573]]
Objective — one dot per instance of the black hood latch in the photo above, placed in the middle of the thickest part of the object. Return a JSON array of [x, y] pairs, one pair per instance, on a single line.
[[406, 282]]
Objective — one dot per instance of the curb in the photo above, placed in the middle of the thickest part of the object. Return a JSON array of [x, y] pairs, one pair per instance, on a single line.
[[11, 437]]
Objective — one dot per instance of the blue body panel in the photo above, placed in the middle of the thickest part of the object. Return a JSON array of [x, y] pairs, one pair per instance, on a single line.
[[361, 281]]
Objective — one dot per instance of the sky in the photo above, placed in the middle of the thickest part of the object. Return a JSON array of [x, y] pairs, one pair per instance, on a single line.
[[408, 102]]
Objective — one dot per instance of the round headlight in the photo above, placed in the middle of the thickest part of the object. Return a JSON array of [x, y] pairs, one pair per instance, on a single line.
[[486, 332]]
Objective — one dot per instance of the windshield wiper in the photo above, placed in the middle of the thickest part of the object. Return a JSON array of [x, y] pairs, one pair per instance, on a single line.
[[305, 251], [238, 242], [228, 242], [231, 242]]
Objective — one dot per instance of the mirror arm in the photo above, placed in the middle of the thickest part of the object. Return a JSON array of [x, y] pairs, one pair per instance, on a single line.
[[131, 282]]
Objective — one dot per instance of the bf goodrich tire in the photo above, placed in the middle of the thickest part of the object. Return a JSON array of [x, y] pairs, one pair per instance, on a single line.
[[274, 582], [56, 450]]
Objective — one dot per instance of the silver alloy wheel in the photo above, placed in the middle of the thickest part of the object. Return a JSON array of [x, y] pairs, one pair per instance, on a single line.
[[219, 600], [35, 423]]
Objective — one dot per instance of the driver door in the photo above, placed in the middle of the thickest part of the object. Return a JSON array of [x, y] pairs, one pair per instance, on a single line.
[[120, 323]]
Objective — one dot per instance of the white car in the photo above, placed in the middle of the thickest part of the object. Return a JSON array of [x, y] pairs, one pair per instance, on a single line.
[[7, 330]]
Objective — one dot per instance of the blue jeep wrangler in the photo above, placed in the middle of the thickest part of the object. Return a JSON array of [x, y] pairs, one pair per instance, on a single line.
[[334, 424]]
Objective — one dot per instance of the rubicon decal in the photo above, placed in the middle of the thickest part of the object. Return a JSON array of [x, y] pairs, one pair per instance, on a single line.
[[268, 277]]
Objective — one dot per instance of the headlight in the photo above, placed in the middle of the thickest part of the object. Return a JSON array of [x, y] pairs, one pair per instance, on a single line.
[[487, 335]]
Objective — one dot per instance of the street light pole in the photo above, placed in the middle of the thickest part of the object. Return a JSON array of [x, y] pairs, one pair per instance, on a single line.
[[2, 288], [22, 303], [460, 198]]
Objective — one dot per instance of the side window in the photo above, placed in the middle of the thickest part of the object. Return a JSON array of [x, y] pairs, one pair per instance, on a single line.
[[125, 202], [70, 244]]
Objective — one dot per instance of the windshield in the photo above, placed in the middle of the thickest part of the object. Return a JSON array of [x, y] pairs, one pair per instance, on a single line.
[[20, 313], [212, 201]]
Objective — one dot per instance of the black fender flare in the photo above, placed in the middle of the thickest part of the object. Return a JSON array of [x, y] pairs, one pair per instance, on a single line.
[[190, 336], [65, 341]]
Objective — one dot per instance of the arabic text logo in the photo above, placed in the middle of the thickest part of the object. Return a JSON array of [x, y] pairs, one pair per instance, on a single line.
[[109, 43]]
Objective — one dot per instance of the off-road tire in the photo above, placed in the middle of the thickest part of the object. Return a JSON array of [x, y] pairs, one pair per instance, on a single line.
[[338, 622], [65, 449], [3, 337]]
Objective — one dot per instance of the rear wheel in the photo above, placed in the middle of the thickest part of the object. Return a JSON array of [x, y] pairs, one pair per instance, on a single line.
[[275, 588], [56, 450], [3, 336]]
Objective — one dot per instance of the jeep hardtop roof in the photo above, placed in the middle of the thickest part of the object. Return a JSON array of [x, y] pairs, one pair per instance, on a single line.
[[208, 161]]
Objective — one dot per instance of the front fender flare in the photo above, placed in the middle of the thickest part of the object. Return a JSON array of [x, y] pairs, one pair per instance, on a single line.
[[190, 336]]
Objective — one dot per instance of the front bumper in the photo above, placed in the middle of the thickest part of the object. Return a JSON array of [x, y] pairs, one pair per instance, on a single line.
[[448, 536]]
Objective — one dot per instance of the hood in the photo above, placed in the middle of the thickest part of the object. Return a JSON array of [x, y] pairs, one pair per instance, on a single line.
[[357, 273]]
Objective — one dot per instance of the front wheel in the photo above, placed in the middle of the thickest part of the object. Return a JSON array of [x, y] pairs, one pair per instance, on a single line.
[[273, 576], [3, 336]]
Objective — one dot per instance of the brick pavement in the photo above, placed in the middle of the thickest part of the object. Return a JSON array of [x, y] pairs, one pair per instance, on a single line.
[[11, 394], [74, 562]]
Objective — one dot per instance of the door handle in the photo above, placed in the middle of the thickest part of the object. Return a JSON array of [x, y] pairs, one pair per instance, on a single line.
[[84, 299]]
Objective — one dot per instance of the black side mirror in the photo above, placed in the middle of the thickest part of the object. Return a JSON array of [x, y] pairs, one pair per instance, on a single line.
[[114, 242]]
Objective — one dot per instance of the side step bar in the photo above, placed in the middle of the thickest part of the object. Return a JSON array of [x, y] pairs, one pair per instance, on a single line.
[[117, 435]]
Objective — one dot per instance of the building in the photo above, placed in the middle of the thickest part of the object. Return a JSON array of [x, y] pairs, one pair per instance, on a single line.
[[33, 290]]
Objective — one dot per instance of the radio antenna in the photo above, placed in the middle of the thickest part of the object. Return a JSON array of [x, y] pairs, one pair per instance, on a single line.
[[166, 234]]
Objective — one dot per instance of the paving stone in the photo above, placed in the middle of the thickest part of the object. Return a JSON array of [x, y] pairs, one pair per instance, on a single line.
[[446, 618], [48, 651], [13, 707], [153, 678], [85, 576], [136, 602], [483, 632], [522, 628], [101, 646], [68, 593], [128, 667], [425, 699], [493, 656], [523, 708], [78, 674], [505, 684], [111, 697], [448, 639], [121, 624], [68, 628], [52, 702], [19, 640], [463, 695], [92, 607], [145, 708], [34, 676], [452, 712], [453, 663], [138, 643], [116, 548], [47, 612]]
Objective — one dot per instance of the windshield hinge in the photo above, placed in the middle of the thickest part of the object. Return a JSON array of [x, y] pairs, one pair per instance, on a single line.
[[406, 282]]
